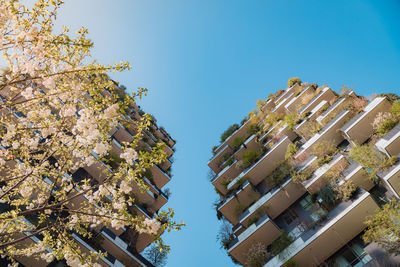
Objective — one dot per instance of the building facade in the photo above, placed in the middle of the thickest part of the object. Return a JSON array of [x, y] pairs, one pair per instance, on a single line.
[[123, 247], [288, 185]]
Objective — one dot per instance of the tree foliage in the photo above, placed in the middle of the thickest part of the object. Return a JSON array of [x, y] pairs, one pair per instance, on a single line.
[[257, 255], [383, 227], [56, 116], [229, 131], [292, 81]]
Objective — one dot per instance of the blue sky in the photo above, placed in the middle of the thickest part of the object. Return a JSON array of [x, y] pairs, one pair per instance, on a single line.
[[206, 62]]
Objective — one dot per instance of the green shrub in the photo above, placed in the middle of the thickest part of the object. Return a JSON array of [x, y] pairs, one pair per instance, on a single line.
[[301, 176], [249, 157], [228, 132], [368, 157], [230, 161], [384, 122], [291, 150], [328, 195], [281, 172], [290, 263], [390, 96], [291, 120], [292, 81], [283, 241], [347, 190], [239, 208], [252, 220], [213, 150], [237, 142], [242, 180], [225, 183], [253, 128], [396, 108], [323, 148], [257, 255]]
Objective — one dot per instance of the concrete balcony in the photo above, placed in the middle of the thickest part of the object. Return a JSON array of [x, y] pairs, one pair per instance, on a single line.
[[317, 110], [160, 178], [157, 200], [87, 249], [294, 89], [268, 106], [119, 249], [325, 94], [273, 202], [215, 162], [330, 133], [315, 245], [318, 180], [298, 101], [392, 178], [223, 176], [232, 206], [29, 261], [359, 128], [250, 144], [355, 173], [269, 132], [122, 134], [280, 108], [263, 167], [336, 107], [241, 132], [98, 170], [264, 231], [285, 131], [390, 143]]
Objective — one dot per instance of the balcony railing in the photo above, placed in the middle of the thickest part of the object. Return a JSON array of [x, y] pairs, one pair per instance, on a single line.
[[343, 223], [264, 230]]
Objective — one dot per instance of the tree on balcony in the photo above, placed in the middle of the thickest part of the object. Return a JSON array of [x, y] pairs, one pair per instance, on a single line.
[[292, 81], [228, 132], [383, 227], [257, 255], [56, 103], [372, 160]]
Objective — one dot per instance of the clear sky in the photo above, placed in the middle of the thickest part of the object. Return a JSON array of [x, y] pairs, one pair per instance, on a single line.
[[206, 62]]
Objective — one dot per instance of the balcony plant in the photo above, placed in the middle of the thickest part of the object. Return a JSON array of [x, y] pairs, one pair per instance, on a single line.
[[291, 150], [257, 255], [283, 241], [279, 174], [292, 81], [383, 228], [225, 235], [347, 190], [302, 176], [328, 195], [237, 142], [291, 120], [396, 108], [253, 128], [372, 160], [250, 157], [324, 151], [228, 132], [309, 129], [384, 122], [239, 208]]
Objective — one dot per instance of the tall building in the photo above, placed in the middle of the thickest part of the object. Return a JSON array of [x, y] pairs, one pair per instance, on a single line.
[[123, 247], [289, 188]]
